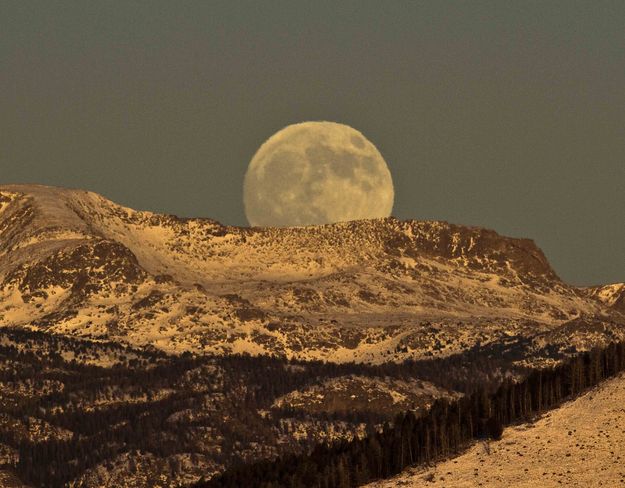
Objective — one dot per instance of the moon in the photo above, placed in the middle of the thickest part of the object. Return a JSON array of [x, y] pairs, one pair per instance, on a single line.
[[316, 173]]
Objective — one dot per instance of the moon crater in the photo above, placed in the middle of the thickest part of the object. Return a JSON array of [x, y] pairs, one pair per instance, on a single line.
[[316, 173]]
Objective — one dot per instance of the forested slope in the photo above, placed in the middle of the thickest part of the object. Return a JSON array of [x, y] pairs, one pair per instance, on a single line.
[[447, 428], [579, 444]]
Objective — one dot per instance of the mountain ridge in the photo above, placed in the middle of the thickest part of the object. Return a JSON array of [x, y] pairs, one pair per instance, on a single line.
[[74, 262]]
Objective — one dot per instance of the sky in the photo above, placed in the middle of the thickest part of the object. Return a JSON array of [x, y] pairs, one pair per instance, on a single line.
[[506, 115]]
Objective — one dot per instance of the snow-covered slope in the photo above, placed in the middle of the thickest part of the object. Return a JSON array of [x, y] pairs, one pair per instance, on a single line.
[[612, 295], [74, 262], [577, 445], [380, 396]]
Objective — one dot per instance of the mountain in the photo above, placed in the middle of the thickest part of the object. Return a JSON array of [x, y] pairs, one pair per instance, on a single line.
[[99, 304], [75, 263]]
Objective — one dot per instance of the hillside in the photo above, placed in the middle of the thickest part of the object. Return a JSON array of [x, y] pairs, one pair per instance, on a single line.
[[148, 419], [577, 445], [73, 262]]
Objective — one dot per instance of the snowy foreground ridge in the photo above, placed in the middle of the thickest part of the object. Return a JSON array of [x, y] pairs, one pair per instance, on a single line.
[[577, 445], [73, 262]]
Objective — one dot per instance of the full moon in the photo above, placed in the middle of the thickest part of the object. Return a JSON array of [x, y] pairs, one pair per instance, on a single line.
[[316, 173]]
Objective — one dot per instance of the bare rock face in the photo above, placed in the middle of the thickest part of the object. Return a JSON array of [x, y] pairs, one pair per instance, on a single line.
[[86, 268], [478, 248], [373, 290]]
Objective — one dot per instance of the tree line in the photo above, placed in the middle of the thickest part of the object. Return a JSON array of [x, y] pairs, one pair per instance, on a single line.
[[447, 428]]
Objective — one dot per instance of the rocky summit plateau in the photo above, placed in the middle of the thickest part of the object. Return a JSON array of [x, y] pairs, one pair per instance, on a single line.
[[74, 263]]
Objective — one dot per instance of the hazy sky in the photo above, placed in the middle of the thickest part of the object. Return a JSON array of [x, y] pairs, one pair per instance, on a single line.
[[508, 115]]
